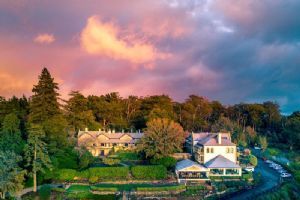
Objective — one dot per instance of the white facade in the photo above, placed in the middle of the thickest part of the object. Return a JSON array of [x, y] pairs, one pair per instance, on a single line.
[[228, 152]]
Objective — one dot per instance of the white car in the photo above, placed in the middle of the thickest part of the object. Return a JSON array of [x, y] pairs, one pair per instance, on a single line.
[[278, 167], [281, 171], [285, 175], [269, 161], [257, 148], [249, 169]]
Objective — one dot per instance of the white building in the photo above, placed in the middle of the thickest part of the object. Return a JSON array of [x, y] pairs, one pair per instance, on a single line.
[[214, 152]]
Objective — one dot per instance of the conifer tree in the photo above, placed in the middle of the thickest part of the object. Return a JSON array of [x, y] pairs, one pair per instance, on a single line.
[[45, 111], [36, 153], [44, 103]]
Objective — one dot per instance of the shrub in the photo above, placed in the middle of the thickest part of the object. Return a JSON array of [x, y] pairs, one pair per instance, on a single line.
[[149, 172], [66, 174], [58, 189], [168, 162], [111, 161], [253, 160], [93, 179], [105, 173], [247, 176], [83, 174], [85, 159]]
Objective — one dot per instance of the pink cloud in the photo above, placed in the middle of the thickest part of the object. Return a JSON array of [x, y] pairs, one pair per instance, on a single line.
[[99, 38], [44, 38]]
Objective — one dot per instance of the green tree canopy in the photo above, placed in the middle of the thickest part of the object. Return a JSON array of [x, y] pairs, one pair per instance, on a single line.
[[11, 175], [162, 137], [292, 130], [78, 114], [10, 136]]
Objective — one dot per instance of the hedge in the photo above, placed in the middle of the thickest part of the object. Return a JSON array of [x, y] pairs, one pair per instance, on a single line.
[[247, 176], [58, 189], [162, 188], [66, 174], [154, 172], [223, 177], [168, 162], [104, 189], [104, 173]]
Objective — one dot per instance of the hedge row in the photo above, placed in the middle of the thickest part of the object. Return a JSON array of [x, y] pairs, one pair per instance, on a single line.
[[153, 172], [162, 188], [104, 189], [93, 174]]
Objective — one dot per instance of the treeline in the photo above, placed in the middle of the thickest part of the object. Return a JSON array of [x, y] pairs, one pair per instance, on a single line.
[[38, 134], [62, 119]]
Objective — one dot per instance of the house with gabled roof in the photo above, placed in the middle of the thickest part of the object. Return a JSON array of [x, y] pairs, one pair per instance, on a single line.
[[215, 153], [100, 143]]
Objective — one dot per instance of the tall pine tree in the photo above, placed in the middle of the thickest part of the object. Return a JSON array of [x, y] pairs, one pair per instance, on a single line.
[[36, 153], [45, 111], [44, 103]]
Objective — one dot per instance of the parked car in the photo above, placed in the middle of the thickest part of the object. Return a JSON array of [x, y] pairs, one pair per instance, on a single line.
[[278, 167], [285, 175], [269, 161], [257, 148], [281, 171], [249, 169], [274, 165]]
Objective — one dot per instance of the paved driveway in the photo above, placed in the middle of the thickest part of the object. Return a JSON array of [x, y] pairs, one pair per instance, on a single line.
[[270, 179]]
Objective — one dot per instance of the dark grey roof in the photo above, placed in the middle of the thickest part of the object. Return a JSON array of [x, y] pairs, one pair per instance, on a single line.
[[221, 162]]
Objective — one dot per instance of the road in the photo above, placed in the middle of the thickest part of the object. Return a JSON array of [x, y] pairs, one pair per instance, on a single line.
[[270, 179]]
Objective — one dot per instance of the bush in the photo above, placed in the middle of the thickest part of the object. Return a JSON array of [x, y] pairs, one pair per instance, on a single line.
[[149, 172], [85, 159], [162, 188], [168, 162], [58, 189], [83, 174], [104, 173], [111, 161], [253, 160], [247, 176], [66, 174]]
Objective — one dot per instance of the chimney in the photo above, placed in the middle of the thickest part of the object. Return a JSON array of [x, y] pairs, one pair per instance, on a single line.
[[219, 138], [86, 129]]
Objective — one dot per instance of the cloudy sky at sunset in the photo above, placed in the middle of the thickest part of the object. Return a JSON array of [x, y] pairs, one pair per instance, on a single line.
[[227, 50]]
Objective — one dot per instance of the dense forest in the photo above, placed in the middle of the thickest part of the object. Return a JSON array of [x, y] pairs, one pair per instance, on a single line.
[[42, 129]]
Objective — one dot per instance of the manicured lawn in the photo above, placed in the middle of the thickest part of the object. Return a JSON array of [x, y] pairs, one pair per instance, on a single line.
[[128, 187], [78, 188], [127, 156], [83, 192]]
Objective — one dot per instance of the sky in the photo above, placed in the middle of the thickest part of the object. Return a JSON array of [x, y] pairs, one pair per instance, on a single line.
[[228, 50]]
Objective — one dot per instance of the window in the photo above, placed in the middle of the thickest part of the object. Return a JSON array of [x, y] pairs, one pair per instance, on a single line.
[[227, 150], [212, 150], [126, 144], [232, 150], [207, 150], [102, 144]]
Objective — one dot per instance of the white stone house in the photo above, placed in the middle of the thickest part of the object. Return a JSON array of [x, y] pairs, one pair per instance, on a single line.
[[100, 143]]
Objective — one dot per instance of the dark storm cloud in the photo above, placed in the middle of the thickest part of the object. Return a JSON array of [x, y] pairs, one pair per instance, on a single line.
[[229, 50]]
